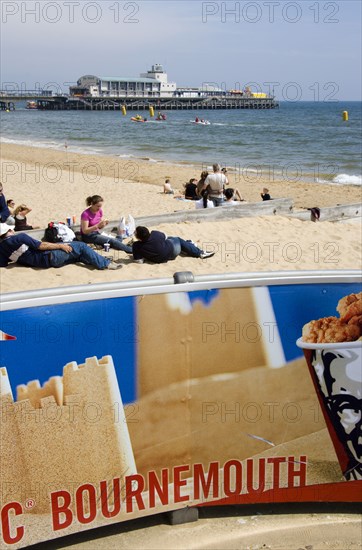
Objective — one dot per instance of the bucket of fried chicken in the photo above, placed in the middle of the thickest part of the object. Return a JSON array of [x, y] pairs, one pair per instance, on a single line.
[[333, 350]]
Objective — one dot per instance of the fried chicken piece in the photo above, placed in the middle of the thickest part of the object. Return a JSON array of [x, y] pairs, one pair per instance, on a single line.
[[330, 330], [350, 306]]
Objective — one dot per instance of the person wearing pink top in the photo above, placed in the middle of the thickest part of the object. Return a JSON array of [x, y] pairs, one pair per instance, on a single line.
[[92, 222]]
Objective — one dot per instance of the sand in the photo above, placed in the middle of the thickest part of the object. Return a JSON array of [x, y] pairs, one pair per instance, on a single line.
[[55, 184], [267, 528]]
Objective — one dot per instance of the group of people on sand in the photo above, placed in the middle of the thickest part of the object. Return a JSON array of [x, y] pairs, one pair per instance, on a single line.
[[210, 190], [15, 216], [152, 246]]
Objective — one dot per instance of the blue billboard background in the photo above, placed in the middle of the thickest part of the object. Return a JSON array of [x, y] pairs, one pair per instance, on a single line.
[[48, 337]]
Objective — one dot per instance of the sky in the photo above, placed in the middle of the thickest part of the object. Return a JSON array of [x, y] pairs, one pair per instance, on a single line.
[[303, 50]]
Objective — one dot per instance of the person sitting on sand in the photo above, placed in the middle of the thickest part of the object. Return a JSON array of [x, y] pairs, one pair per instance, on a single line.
[[11, 206], [191, 190], [200, 183], [232, 195], [155, 247], [265, 194], [204, 202], [229, 197], [92, 222], [167, 187], [21, 223], [24, 250]]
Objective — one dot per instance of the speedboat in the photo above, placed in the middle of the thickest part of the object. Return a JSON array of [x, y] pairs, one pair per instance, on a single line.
[[202, 122], [31, 105]]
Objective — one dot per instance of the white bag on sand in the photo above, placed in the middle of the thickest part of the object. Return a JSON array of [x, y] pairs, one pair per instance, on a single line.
[[121, 230], [65, 233], [126, 227], [130, 226]]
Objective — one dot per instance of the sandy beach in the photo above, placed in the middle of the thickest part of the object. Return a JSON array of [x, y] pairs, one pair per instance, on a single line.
[[55, 184]]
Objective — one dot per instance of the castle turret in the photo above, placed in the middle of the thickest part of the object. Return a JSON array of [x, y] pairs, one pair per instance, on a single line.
[[71, 430]]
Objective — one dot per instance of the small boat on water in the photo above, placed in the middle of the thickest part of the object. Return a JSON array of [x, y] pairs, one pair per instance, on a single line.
[[202, 122], [31, 105], [161, 116]]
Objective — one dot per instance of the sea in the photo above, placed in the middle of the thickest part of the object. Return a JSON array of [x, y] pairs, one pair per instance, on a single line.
[[299, 141]]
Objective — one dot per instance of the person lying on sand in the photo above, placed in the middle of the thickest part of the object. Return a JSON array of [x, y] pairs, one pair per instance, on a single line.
[[156, 247], [24, 250]]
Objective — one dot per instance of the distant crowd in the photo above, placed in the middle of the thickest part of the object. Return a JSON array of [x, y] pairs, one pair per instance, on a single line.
[[210, 190]]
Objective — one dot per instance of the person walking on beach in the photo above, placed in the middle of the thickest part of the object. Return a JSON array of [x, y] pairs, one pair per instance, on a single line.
[[155, 247], [216, 182], [24, 250], [92, 222]]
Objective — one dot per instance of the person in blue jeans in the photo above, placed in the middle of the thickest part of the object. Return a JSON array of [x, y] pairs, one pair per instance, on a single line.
[[24, 250], [155, 247]]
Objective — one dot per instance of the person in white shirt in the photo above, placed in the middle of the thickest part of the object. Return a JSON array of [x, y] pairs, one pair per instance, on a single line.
[[229, 198], [216, 183], [204, 202]]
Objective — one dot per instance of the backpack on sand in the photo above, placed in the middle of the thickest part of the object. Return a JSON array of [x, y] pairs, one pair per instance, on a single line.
[[58, 232]]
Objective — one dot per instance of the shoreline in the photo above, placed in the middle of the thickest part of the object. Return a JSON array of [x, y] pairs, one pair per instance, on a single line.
[[253, 173], [24, 166]]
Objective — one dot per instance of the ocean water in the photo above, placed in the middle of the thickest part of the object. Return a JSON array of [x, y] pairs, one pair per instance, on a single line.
[[302, 141]]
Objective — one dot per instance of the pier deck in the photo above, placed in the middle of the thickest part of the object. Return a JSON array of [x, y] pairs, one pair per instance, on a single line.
[[164, 104]]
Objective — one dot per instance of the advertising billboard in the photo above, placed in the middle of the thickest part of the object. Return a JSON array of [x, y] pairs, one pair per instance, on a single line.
[[120, 402]]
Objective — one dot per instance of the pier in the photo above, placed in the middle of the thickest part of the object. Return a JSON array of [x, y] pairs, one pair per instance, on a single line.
[[65, 103], [7, 106]]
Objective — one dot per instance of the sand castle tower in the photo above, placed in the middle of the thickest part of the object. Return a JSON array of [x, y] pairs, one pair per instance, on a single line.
[[70, 431]]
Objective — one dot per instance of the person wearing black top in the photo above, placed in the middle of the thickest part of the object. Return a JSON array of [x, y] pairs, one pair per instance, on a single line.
[[4, 209], [155, 247], [265, 194], [191, 190]]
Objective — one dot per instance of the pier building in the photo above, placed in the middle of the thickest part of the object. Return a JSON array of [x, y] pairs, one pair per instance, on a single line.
[[153, 83]]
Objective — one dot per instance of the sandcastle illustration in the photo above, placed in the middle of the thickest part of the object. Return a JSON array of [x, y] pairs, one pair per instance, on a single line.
[[70, 431]]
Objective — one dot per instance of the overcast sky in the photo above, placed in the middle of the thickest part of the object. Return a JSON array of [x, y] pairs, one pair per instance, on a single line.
[[309, 49]]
